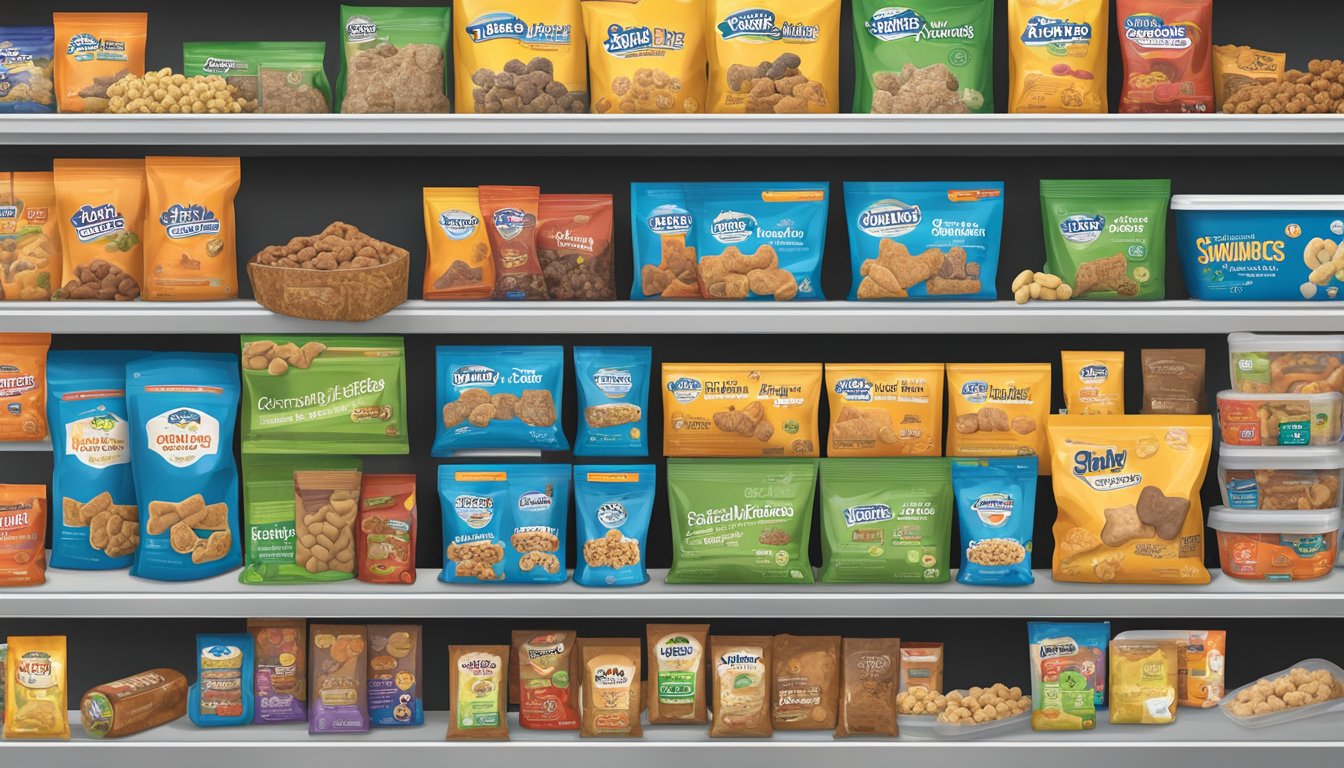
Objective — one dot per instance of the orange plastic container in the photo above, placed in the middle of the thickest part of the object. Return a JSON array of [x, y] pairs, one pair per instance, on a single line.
[[1276, 545]]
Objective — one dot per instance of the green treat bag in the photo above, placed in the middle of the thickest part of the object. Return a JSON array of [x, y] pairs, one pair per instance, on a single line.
[[924, 56], [334, 395], [1107, 239], [274, 77], [740, 521], [280, 541], [886, 520], [394, 60]]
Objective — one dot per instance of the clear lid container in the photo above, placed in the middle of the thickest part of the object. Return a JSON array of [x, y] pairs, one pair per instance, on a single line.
[[1281, 457], [982, 730], [1285, 715], [1257, 203], [1306, 522], [1302, 342]]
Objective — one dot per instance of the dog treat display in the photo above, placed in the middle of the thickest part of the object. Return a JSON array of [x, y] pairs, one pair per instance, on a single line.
[[300, 518], [504, 523], [885, 409], [272, 78], [385, 531], [1094, 382], [281, 677], [190, 248], [339, 246], [459, 263], [1107, 239], [1288, 418], [741, 668], [930, 56], [510, 214], [1057, 55], [396, 670], [998, 409], [1068, 673], [1167, 52], [30, 240], [499, 397], [924, 240], [478, 685], [611, 688], [868, 671], [886, 520], [759, 240], [26, 72], [664, 244], [806, 683], [223, 692], [133, 704], [728, 409], [613, 384], [23, 386], [101, 208], [613, 505], [23, 526], [546, 665], [996, 511], [1295, 92], [781, 59], [393, 60], [676, 668], [93, 51], [646, 57], [1238, 66], [522, 56], [1308, 683], [338, 702], [35, 688]]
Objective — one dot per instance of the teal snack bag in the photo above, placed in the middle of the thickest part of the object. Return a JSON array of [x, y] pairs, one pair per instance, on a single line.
[[504, 522], [613, 385], [1107, 239], [663, 242], [273, 77], [924, 56], [741, 521], [613, 504], [886, 521], [996, 509], [222, 694], [276, 533], [183, 409], [324, 395], [394, 60], [499, 398]]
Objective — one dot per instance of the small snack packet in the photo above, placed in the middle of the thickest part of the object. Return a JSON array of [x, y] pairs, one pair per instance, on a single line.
[[1166, 46], [925, 57], [26, 80], [520, 56], [1173, 381], [510, 215], [806, 683], [35, 688], [996, 509], [544, 681], [613, 505], [274, 78], [93, 51], [1068, 673], [339, 676], [611, 688], [868, 673], [882, 409], [676, 668], [1143, 681], [613, 387], [998, 410], [742, 670], [191, 253], [797, 45], [1057, 55], [394, 60], [385, 531], [101, 208], [294, 505], [30, 235], [1094, 383], [460, 265], [23, 386], [883, 520], [499, 397], [222, 694], [478, 685], [646, 56], [1202, 670], [1107, 239], [921, 667], [280, 688], [574, 246], [504, 523], [664, 242], [741, 409], [396, 669], [1238, 66], [23, 531]]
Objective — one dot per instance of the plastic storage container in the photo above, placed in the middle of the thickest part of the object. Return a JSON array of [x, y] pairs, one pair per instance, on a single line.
[[1260, 247], [1281, 478], [981, 730], [1230, 703], [1276, 545], [1287, 418], [1302, 363]]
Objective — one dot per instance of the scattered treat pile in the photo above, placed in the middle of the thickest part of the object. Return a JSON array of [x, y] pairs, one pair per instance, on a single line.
[[774, 86], [984, 705], [1030, 285], [1300, 687], [1319, 90], [339, 246], [921, 90], [164, 92], [527, 88]]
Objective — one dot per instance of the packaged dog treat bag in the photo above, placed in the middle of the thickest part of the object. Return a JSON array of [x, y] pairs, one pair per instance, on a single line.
[[101, 208], [1057, 56], [393, 60], [93, 51], [613, 505], [26, 79], [646, 56], [23, 532], [504, 522], [191, 253], [280, 648], [613, 384], [223, 693], [1107, 239], [520, 56], [301, 518], [779, 57], [882, 409], [925, 56], [499, 397], [30, 236], [996, 512]]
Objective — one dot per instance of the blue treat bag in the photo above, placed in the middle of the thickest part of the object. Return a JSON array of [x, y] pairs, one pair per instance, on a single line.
[[504, 522], [612, 508], [613, 386], [537, 521], [99, 524], [26, 81], [759, 240], [996, 509], [663, 239], [499, 398], [222, 693], [183, 409], [924, 240]]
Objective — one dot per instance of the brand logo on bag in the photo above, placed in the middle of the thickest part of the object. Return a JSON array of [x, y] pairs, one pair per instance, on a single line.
[[993, 509], [614, 382], [14, 382], [612, 677], [475, 511], [1081, 228], [501, 25], [855, 390], [535, 501], [12, 56], [732, 227], [758, 25], [510, 222], [868, 513], [626, 41], [684, 390], [1238, 248], [216, 66], [9, 211], [475, 375], [669, 220], [612, 514], [1044, 30], [35, 670], [975, 391], [81, 43], [92, 222], [360, 29], [1093, 374], [1147, 30], [183, 221], [1051, 649], [894, 24], [889, 218], [458, 225], [1104, 470], [184, 436]]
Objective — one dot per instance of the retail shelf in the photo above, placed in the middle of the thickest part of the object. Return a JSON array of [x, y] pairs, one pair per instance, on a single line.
[[104, 594], [657, 317], [35, 446], [607, 133], [1198, 739]]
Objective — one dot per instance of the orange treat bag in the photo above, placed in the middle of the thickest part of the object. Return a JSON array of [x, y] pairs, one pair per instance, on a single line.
[[23, 386], [459, 264], [93, 51], [385, 540], [23, 526], [190, 250], [100, 205], [30, 244]]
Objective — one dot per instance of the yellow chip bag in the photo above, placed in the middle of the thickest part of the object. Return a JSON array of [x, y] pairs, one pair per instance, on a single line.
[[780, 58], [741, 409], [1057, 55], [30, 244], [1143, 681], [100, 205], [1094, 382], [646, 56], [519, 56], [93, 51], [35, 694], [998, 410], [459, 264], [885, 410], [190, 250], [1127, 488], [1237, 66]]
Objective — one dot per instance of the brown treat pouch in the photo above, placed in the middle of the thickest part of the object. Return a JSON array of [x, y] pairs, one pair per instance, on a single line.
[[542, 680], [460, 266], [574, 247], [101, 207], [478, 685], [134, 704], [396, 675], [921, 666], [611, 689], [30, 241], [280, 669], [326, 504], [1173, 381], [93, 51], [23, 386], [339, 701], [191, 253], [806, 682], [741, 669], [1237, 66], [676, 689], [510, 215], [869, 669]]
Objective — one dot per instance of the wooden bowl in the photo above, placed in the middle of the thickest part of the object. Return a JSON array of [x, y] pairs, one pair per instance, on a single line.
[[345, 295]]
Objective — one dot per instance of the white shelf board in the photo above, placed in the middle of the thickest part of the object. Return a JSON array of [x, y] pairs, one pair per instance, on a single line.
[[32, 446], [607, 132], [1198, 739], [115, 594], [655, 317]]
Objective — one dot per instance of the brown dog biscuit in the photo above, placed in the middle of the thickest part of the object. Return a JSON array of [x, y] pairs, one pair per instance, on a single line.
[[455, 413], [506, 405], [100, 503], [611, 414], [474, 397], [1123, 525], [992, 419], [70, 513], [968, 423], [182, 538], [212, 548], [1164, 513], [1107, 274], [536, 408], [481, 415], [1024, 425]]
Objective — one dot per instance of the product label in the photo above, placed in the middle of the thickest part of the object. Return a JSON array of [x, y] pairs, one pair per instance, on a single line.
[[631, 42], [760, 25], [506, 26], [183, 221], [183, 436]]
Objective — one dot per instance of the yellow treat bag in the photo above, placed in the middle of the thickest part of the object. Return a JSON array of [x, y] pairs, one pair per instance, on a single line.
[[885, 410], [30, 244], [741, 409], [190, 250], [35, 693], [998, 410], [1237, 66], [784, 58], [519, 56], [1143, 681], [1094, 382], [1127, 488], [646, 56], [1057, 55], [93, 51], [459, 264], [100, 205]]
